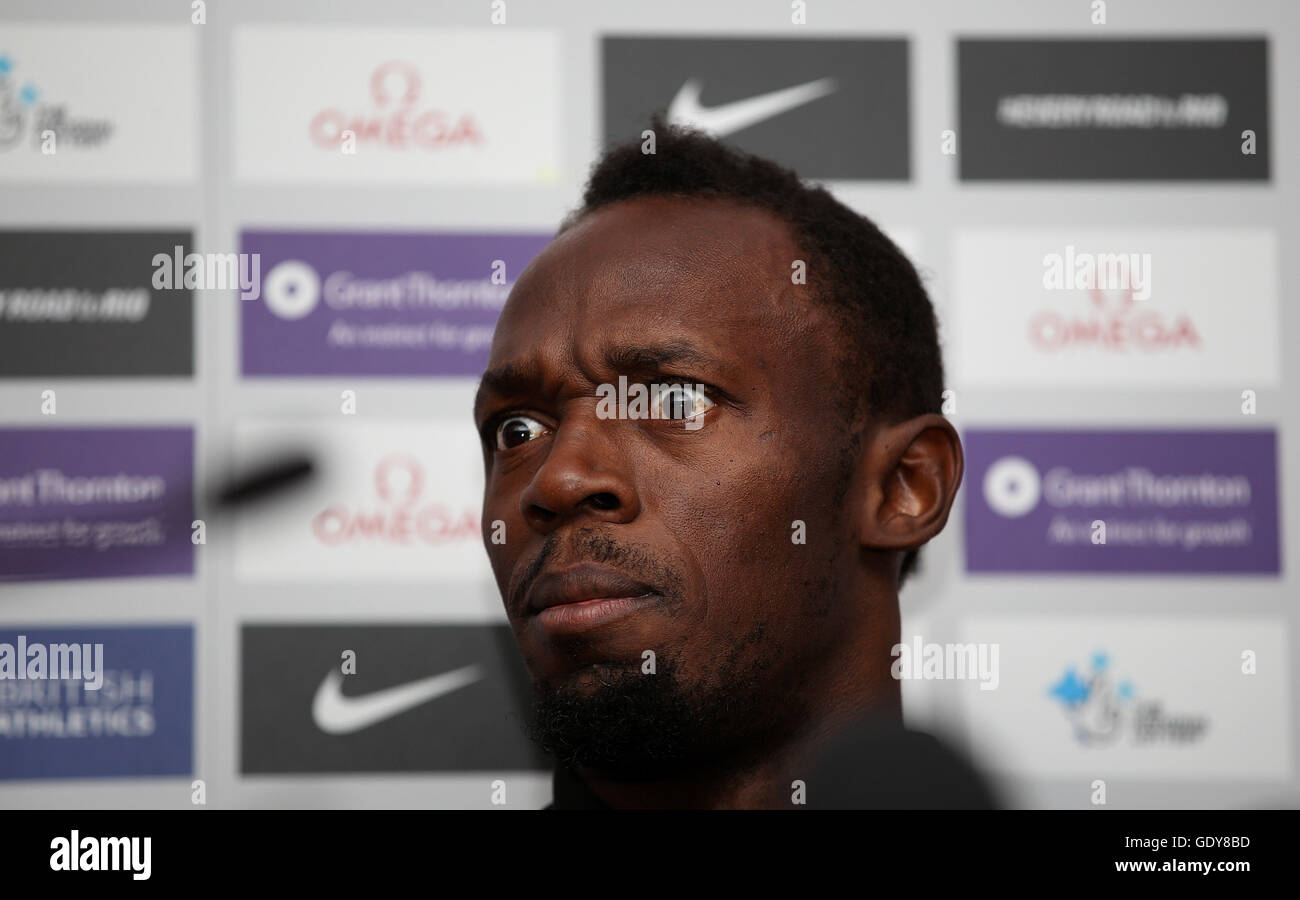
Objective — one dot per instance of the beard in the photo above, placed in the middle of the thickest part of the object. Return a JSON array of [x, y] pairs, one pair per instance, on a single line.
[[711, 715], [632, 726]]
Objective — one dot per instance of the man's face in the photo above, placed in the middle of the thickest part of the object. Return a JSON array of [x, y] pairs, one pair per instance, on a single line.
[[723, 548]]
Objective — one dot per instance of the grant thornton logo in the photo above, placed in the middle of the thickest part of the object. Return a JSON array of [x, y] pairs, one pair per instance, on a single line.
[[1102, 709], [1012, 487]]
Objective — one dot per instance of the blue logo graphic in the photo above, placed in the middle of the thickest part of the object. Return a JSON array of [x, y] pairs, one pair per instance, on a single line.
[[1093, 702], [21, 114], [1100, 708]]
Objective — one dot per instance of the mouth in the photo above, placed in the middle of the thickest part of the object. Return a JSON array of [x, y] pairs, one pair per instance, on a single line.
[[585, 596]]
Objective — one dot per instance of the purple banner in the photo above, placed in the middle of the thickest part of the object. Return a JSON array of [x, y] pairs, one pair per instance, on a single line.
[[95, 502], [378, 304], [1121, 501]]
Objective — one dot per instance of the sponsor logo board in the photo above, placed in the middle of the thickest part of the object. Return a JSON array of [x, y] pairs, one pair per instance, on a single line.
[[389, 501], [1116, 308], [1130, 696], [450, 106], [98, 103], [1168, 109], [828, 108], [336, 303], [1168, 501], [383, 698], [138, 723], [95, 502]]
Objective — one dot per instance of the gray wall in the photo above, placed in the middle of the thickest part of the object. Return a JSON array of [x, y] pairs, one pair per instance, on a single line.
[[933, 205]]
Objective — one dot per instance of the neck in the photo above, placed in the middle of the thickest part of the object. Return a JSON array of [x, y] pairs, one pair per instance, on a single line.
[[852, 686]]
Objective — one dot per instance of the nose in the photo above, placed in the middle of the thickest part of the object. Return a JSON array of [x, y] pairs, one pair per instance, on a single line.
[[585, 474]]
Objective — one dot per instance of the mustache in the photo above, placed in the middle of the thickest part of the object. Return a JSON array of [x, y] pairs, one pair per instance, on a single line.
[[589, 545]]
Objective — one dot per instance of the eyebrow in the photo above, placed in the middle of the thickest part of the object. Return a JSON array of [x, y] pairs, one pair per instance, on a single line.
[[511, 378], [627, 358], [507, 379], [519, 378]]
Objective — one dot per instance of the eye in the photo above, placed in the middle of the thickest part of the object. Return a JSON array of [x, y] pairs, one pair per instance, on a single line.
[[678, 401], [517, 430]]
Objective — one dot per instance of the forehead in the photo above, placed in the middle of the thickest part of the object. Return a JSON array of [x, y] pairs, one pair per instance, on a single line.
[[715, 272]]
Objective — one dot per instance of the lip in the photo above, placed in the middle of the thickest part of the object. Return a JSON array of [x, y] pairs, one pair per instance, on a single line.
[[585, 596]]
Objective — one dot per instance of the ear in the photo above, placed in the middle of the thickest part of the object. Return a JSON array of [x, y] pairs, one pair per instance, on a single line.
[[912, 472]]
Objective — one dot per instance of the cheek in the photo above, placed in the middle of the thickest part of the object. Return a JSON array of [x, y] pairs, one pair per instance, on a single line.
[[503, 527], [757, 531]]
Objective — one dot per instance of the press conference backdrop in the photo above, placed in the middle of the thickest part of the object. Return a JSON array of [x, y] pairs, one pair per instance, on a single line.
[[393, 166]]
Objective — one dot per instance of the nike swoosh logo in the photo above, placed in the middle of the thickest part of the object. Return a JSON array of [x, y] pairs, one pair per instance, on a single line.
[[335, 714], [727, 118]]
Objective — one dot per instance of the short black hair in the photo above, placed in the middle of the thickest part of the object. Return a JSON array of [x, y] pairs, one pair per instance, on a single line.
[[889, 329]]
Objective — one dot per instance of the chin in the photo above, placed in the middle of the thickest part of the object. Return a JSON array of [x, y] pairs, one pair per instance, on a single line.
[[586, 679]]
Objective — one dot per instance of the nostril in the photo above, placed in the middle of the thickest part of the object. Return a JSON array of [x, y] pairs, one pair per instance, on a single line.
[[603, 500]]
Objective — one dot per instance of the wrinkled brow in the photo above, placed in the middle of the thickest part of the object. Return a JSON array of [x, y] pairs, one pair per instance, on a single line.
[[520, 378], [641, 357], [510, 378]]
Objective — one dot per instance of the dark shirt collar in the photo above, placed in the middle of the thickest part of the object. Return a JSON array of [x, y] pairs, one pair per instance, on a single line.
[[868, 766], [572, 793]]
